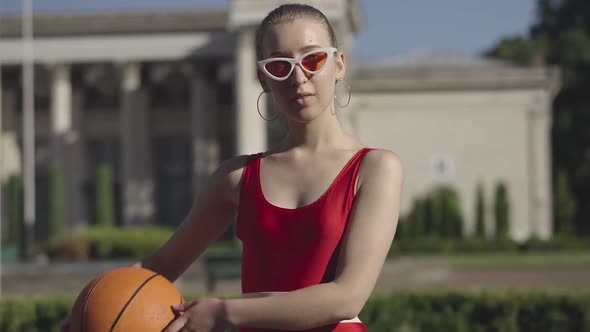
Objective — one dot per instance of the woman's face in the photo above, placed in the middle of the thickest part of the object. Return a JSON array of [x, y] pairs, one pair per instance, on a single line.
[[301, 96]]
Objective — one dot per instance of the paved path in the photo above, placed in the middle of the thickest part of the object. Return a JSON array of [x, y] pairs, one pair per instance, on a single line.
[[403, 273]]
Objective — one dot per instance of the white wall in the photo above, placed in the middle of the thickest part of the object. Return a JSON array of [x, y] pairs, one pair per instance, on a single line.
[[483, 134]]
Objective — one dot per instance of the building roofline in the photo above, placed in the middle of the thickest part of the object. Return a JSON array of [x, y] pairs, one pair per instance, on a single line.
[[456, 79], [108, 23]]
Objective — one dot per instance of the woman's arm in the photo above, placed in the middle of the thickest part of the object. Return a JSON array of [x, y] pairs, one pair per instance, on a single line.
[[364, 250], [212, 212]]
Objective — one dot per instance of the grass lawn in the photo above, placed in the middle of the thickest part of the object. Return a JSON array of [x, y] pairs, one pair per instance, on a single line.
[[534, 260]]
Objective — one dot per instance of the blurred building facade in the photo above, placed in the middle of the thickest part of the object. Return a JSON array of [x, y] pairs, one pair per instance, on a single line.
[[464, 122], [164, 96]]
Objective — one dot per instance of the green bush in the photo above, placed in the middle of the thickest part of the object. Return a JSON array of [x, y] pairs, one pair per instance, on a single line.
[[432, 245], [402, 227], [437, 215], [105, 196], [103, 243], [111, 243], [506, 311], [501, 212], [417, 219], [557, 243], [480, 213], [509, 311], [57, 204], [16, 221], [564, 205]]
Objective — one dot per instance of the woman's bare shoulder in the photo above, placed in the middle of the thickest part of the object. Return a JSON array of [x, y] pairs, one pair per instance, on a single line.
[[228, 176], [379, 163], [233, 166]]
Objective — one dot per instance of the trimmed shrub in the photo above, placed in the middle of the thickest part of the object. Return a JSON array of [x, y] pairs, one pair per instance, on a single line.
[[509, 311], [564, 205], [104, 243], [16, 222], [447, 218], [57, 204], [105, 196], [480, 211], [502, 212], [431, 245], [416, 220]]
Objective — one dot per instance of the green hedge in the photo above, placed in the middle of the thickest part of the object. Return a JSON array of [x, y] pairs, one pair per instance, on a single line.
[[57, 214], [112, 243], [104, 243], [16, 232], [42, 315], [104, 213], [462, 311], [505, 311], [435, 245]]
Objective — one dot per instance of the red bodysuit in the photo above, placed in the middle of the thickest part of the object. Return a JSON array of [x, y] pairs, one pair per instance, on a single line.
[[288, 249]]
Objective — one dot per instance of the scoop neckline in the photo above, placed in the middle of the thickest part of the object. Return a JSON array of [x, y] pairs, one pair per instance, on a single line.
[[315, 202]]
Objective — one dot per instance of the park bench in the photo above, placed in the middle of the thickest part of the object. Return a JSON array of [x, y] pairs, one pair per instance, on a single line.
[[223, 264]]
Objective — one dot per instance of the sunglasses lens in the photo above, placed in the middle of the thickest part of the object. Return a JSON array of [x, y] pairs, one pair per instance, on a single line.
[[315, 61], [278, 68]]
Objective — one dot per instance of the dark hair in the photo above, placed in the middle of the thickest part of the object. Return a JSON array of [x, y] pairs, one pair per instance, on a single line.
[[288, 13]]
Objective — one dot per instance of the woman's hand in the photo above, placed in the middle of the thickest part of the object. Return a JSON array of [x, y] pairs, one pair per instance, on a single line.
[[203, 315]]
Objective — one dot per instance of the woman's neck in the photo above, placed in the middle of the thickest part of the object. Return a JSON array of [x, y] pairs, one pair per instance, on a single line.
[[324, 132]]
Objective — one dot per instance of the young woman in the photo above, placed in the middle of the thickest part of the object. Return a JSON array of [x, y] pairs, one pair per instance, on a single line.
[[316, 215]]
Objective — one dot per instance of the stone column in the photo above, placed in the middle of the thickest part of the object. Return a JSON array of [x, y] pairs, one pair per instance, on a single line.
[[63, 139], [137, 181], [77, 208], [251, 128], [11, 151], [10, 130], [61, 111], [9, 120]]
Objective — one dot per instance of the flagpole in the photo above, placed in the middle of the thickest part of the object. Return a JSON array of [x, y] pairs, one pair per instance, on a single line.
[[1, 168], [28, 127]]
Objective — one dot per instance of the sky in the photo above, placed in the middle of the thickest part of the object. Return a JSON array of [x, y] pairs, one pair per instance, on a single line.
[[390, 28]]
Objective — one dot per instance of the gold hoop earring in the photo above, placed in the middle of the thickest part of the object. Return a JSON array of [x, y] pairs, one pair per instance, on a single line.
[[258, 108], [349, 92]]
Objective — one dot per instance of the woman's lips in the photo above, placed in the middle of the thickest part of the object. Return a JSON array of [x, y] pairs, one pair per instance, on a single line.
[[303, 99]]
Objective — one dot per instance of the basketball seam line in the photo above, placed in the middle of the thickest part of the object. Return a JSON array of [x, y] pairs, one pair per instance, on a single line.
[[131, 299], [83, 314]]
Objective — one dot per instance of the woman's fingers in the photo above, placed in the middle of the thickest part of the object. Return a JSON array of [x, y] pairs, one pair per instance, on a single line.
[[183, 306], [176, 325]]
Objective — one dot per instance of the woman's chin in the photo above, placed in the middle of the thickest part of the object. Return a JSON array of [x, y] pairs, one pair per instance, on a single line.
[[304, 114]]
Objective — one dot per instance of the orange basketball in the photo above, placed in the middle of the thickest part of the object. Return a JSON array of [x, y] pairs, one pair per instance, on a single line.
[[125, 299]]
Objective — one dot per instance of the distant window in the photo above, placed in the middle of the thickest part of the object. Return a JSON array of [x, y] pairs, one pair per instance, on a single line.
[[169, 86], [172, 162], [101, 84], [103, 151], [42, 90]]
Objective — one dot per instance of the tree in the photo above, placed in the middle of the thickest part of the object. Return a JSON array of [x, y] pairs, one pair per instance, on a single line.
[[564, 205], [105, 201], [501, 211], [416, 221], [16, 221], [57, 207], [561, 37], [520, 50], [447, 218], [480, 231]]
